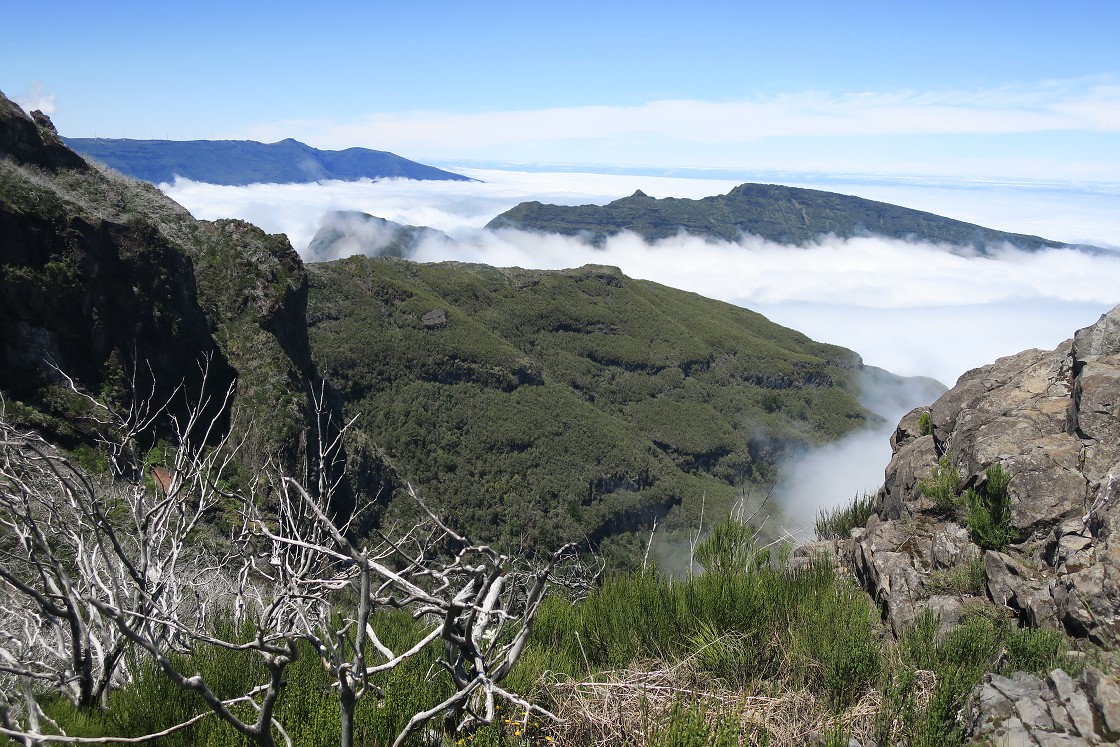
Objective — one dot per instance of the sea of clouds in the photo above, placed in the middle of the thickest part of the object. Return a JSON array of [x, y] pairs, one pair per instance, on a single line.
[[912, 308]]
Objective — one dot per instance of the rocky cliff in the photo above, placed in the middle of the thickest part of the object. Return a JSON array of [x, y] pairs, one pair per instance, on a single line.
[[1049, 555], [1050, 419]]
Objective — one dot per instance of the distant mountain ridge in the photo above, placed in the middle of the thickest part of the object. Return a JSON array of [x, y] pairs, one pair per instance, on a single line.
[[786, 215], [241, 162]]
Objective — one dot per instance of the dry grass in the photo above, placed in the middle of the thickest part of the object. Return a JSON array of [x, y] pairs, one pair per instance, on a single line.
[[628, 707]]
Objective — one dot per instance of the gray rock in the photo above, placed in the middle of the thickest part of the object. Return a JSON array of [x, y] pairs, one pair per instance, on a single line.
[[1051, 419], [434, 319], [1074, 701], [1105, 696], [952, 546], [1102, 338], [830, 550], [1028, 710], [948, 610], [908, 428]]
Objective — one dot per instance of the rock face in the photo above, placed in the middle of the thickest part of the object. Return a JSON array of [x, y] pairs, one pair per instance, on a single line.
[[1052, 421], [1058, 710], [33, 139], [102, 295]]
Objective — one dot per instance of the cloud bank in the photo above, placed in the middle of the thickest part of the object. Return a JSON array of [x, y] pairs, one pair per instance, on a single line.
[[913, 309]]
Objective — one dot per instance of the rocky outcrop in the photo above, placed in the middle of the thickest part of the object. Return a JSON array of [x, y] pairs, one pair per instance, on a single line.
[[33, 139], [1037, 712], [1051, 419]]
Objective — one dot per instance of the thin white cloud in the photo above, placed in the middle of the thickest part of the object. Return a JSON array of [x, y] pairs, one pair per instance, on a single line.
[[695, 132], [1096, 108], [36, 98]]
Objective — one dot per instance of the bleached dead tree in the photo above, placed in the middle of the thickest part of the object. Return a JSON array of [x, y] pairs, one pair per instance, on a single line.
[[73, 544], [478, 602], [96, 567], [488, 602]]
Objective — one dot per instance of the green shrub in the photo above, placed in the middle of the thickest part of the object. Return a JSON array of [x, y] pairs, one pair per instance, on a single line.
[[730, 548], [727, 656], [1035, 650], [608, 631], [989, 511], [835, 646], [838, 522], [941, 485], [743, 628], [692, 725], [957, 660], [925, 424]]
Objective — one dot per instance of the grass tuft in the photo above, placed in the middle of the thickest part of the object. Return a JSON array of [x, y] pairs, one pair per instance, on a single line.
[[838, 522]]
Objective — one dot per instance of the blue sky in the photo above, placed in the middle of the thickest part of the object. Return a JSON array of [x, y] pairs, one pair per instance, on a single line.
[[1005, 90]]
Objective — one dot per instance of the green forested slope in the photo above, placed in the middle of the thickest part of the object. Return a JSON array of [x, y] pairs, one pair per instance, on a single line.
[[548, 405]]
